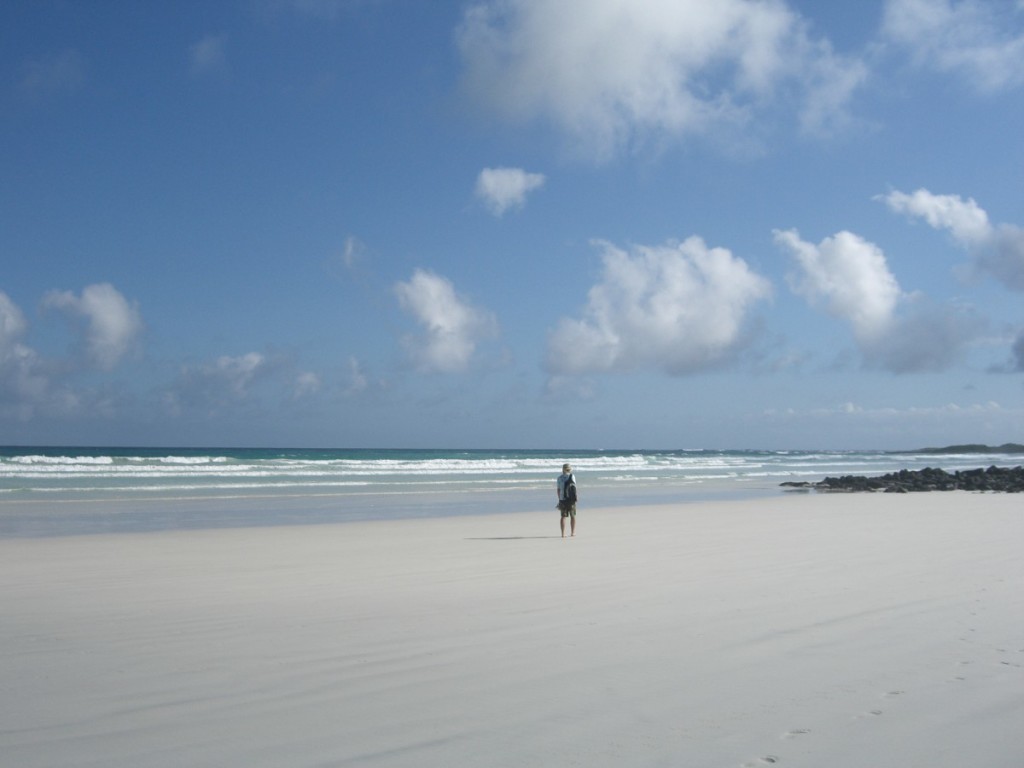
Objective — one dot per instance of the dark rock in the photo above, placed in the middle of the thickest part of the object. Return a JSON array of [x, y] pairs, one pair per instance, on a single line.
[[996, 479]]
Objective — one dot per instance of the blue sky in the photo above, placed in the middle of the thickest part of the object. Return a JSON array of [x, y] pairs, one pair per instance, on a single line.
[[528, 223]]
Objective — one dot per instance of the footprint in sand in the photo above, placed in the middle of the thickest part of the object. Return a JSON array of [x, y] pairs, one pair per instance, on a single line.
[[766, 760], [879, 712], [772, 759]]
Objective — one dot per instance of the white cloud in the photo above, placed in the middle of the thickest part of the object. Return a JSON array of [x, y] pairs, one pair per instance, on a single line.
[[849, 275], [236, 373], [980, 40], [12, 324], [896, 332], [614, 74], [830, 82], [357, 381], [209, 56], [353, 252], [677, 307], [995, 249], [504, 188], [113, 324], [225, 381], [964, 219], [306, 384], [25, 388], [452, 327]]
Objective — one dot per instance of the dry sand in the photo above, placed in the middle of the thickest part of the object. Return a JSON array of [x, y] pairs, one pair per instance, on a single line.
[[804, 630]]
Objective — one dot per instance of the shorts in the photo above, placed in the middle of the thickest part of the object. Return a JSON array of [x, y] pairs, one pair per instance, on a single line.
[[567, 508]]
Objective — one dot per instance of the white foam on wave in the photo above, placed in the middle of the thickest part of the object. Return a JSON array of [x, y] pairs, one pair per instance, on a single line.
[[216, 473], [183, 459], [59, 460]]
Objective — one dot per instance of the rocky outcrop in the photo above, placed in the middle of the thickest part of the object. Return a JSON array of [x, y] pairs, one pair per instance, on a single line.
[[1000, 479]]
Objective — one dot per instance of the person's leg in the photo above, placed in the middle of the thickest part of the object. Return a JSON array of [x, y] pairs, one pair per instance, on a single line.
[[572, 525], [562, 523]]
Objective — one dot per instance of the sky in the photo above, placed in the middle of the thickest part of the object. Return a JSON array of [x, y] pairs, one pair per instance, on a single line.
[[778, 224]]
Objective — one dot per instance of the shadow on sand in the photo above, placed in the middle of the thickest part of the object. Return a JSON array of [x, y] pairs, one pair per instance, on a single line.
[[508, 538]]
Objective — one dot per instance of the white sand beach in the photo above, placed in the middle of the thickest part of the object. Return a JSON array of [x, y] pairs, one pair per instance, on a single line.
[[848, 631]]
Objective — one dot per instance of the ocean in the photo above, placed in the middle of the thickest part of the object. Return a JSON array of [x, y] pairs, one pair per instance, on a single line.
[[62, 490]]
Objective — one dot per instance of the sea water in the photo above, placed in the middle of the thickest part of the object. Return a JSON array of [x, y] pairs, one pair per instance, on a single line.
[[86, 490]]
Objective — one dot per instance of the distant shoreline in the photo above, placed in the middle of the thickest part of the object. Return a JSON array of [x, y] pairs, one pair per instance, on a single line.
[[971, 448]]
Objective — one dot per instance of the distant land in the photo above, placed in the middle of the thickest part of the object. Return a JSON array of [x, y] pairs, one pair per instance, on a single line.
[[974, 448]]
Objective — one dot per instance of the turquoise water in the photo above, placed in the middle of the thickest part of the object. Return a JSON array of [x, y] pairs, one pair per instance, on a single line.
[[62, 488]]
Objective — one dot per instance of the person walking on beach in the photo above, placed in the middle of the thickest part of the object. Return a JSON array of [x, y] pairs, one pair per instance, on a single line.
[[565, 487]]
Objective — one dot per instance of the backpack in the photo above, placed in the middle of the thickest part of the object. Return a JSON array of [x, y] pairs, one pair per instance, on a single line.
[[570, 490]]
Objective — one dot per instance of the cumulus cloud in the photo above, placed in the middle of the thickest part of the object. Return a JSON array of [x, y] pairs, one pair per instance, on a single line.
[[113, 325], [895, 331], [306, 384], [452, 327], [25, 387], [12, 323], [979, 40], [224, 381], [830, 83], [680, 308], [964, 219], [236, 373], [849, 275], [504, 188], [995, 249], [613, 74]]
